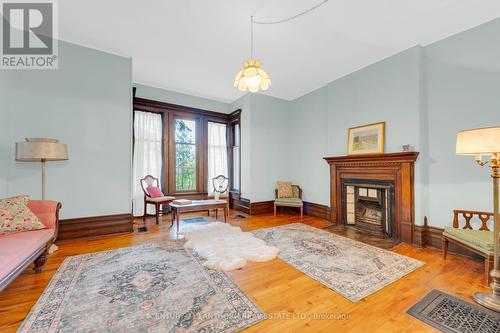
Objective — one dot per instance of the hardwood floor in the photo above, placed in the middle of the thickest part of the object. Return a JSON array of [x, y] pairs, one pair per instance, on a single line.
[[293, 301]]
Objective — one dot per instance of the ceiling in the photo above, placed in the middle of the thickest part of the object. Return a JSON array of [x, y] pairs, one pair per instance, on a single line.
[[198, 46]]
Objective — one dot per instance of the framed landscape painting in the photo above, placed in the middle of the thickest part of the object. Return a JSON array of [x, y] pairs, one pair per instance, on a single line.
[[366, 139]]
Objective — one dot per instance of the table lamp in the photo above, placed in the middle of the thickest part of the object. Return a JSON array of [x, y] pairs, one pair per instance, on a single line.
[[485, 142], [41, 150]]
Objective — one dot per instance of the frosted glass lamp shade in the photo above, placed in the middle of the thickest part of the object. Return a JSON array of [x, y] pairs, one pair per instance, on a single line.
[[479, 141], [41, 149], [252, 77]]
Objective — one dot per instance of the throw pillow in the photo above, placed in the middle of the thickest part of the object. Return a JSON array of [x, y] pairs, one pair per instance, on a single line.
[[15, 216], [155, 192], [285, 190]]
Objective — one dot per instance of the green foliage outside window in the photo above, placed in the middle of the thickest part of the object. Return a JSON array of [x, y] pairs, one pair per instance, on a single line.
[[185, 155]]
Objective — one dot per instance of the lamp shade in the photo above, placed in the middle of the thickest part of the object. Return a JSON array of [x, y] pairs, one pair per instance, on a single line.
[[38, 149], [252, 77], [479, 141]]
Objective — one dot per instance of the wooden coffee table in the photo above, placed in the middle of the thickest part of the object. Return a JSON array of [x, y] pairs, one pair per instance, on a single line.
[[198, 206]]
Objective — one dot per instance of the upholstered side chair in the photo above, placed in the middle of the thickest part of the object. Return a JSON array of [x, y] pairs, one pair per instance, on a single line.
[[148, 183], [295, 200]]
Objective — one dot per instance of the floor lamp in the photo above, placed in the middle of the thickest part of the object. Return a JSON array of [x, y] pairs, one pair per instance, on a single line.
[[486, 142], [41, 150]]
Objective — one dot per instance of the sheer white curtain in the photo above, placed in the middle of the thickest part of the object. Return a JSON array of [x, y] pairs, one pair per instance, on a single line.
[[147, 154], [217, 152]]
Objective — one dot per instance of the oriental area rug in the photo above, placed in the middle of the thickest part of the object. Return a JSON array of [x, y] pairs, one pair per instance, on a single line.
[[352, 269], [148, 288]]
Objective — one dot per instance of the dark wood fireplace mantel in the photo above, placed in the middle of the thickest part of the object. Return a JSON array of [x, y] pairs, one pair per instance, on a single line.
[[395, 167]]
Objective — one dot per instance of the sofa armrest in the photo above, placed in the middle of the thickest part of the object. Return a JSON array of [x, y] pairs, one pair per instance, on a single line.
[[47, 211]]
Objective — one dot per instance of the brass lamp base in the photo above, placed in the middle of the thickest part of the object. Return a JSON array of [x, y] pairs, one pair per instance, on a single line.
[[488, 300]]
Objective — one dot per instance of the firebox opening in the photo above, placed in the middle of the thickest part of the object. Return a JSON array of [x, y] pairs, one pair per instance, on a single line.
[[369, 206]]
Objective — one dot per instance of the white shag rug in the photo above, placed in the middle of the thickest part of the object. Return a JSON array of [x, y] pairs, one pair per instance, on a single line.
[[226, 247]]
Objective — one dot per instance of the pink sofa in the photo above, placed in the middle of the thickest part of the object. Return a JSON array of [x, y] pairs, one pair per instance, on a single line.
[[20, 249]]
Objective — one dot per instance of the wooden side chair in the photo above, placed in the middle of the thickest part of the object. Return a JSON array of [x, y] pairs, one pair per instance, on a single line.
[[293, 200], [477, 241], [220, 185], [153, 196]]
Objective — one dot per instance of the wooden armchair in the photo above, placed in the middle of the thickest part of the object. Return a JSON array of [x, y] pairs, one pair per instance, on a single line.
[[478, 241], [294, 201]]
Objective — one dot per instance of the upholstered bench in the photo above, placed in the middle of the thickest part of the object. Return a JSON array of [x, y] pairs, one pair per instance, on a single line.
[[18, 250], [477, 241]]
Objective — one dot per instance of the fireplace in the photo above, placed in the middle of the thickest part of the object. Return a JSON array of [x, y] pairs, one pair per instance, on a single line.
[[380, 191], [369, 206]]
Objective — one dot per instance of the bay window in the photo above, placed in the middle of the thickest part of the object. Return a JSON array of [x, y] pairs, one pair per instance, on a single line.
[[188, 148]]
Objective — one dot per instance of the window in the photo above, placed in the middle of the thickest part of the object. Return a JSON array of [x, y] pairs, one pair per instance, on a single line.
[[191, 147], [185, 155], [236, 156], [148, 158], [217, 152]]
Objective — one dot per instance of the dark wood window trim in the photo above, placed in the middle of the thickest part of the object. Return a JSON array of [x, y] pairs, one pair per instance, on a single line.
[[149, 105], [171, 111], [234, 120]]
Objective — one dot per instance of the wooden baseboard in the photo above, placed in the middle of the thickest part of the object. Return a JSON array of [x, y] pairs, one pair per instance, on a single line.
[[94, 226], [262, 207], [239, 203], [419, 233], [242, 205], [316, 210], [310, 208], [428, 236]]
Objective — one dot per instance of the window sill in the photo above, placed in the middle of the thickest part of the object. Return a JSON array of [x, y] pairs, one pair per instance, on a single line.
[[187, 193]]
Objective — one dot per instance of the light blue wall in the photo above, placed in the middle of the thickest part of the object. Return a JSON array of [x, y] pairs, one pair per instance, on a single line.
[[86, 104], [269, 147], [172, 97], [264, 144], [308, 141], [425, 95], [462, 88], [386, 91], [389, 91]]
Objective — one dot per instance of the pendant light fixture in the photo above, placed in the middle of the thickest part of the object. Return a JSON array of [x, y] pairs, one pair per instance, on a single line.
[[252, 77]]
